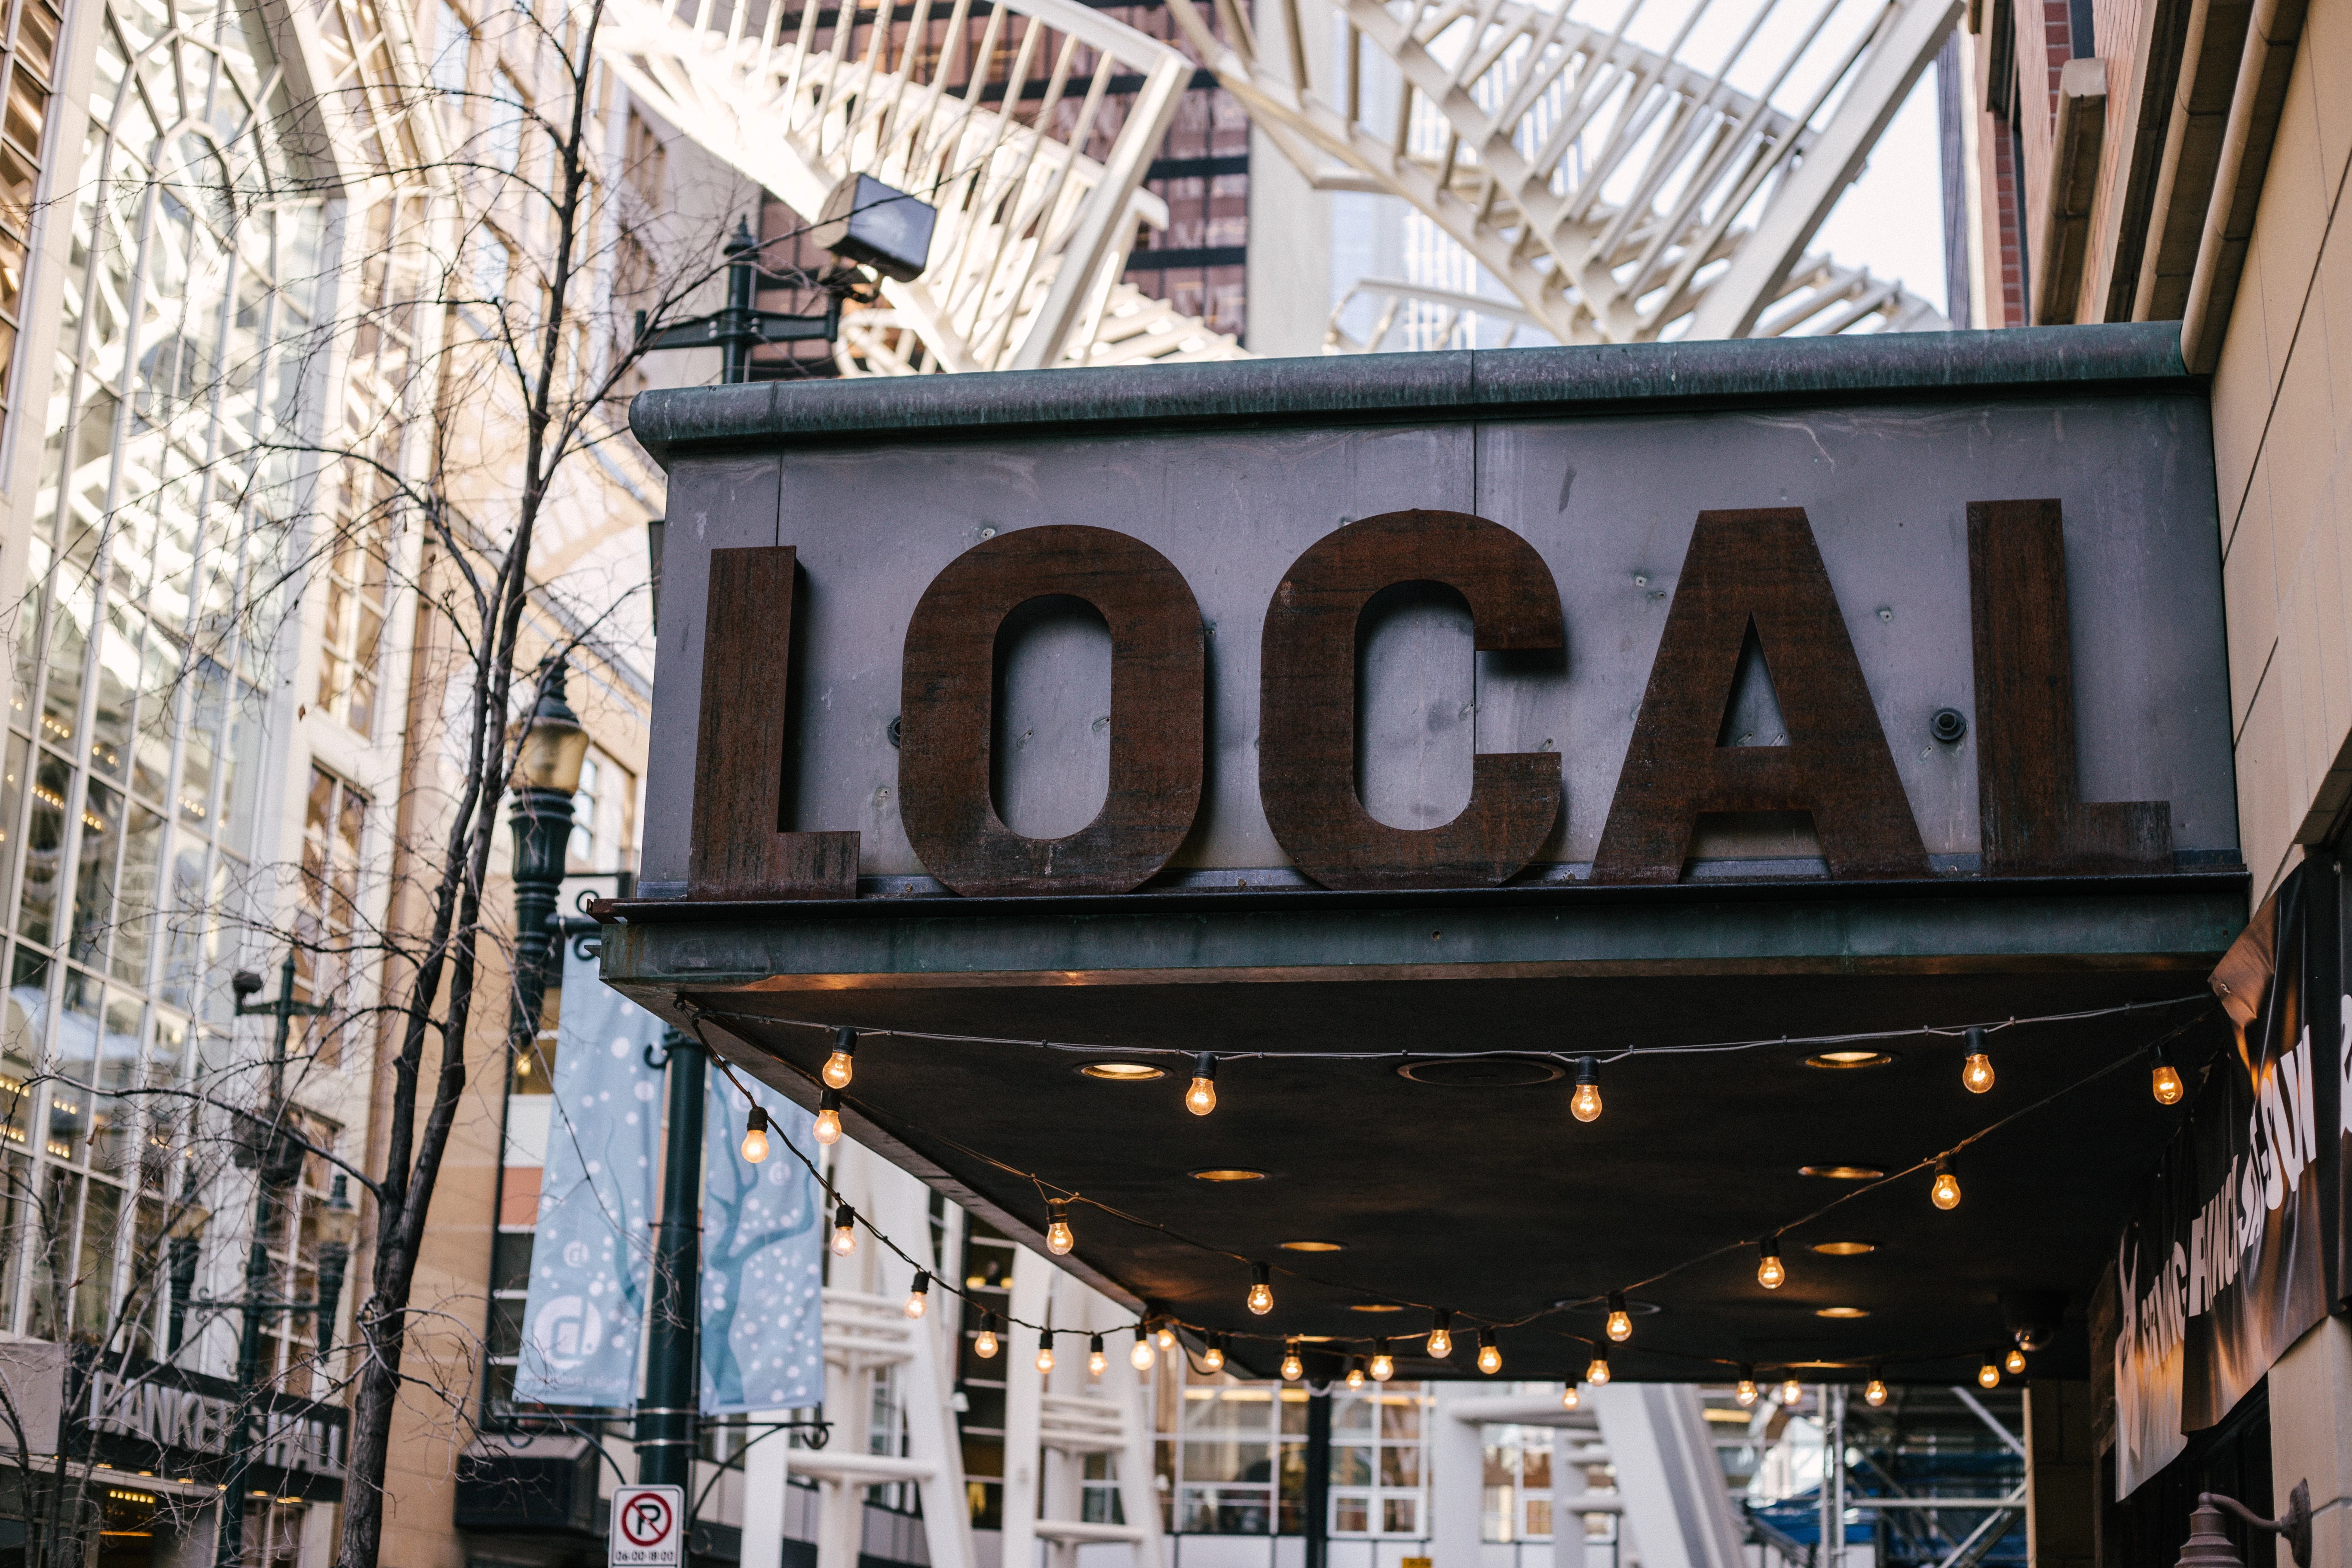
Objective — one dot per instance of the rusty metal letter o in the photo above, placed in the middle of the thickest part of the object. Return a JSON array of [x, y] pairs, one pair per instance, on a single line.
[[1158, 688]]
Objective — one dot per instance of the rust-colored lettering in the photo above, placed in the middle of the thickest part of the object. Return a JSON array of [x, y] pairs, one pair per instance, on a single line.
[[1158, 714], [2028, 795], [1759, 569], [738, 848], [1306, 709]]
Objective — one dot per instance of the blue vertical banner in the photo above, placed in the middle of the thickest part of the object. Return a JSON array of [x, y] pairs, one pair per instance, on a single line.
[[762, 1258], [585, 1310]]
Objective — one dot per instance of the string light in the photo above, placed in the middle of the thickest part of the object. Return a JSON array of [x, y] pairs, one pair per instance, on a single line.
[[1586, 1106], [2014, 1363], [1202, 1097], [2164, 1077], [1490, 1358], [838, 1066], [1293, 1369], [1977, 1074], [1141, 1358], [1096, 1359], [1261, 1296], [1988, 1375], [1875, 1390], [1058, 1239], [1946, 1190], [1355, 1372], [1167, 1335], [1597, 1372], [1620, 1323], [844, 1231], [1570, 1397], [983, 1345], [1045, 1350], [755, 1135], [1383, 1364], [920, 1298], [1770, 1272], [828, 1118], [1441, 1336], [1746, 1393], [1792, 1393], [1213, 1357]]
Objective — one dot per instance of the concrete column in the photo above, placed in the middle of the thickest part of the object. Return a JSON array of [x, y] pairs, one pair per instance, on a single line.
[[1567, 1481], [1457, 1474], [926, 1385], [1023, 1409], [2310, 1438], [2062, 1476]]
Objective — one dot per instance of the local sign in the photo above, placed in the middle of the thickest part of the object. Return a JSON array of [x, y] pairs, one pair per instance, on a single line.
[[1922, 639]]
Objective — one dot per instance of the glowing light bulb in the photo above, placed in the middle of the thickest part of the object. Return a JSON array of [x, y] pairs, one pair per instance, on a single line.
[[837, 1067], [1383, 1364], [1440, 1337], [1792, 1393], [1202, 1097], [1988, 1375], [845, 1232], [1620, 1323], [828, 1118], [2164, 1078], [1597, 1374], [1058, 1239], [1586, 1105], [1570, 1397], [1167, 1337], [1770, 1272], [1946, 1190], [1261, 1294], [1744, 1394], [1141, 1358], [1096, 1359], [2014, 1361], [1213, 1358], [983, 1344], [920, 1298], [1875, 1390], [755, 1135], [1490, 1358], [1046, 1352], [1355, 1372], [1293, 1369], [1978, 1074]]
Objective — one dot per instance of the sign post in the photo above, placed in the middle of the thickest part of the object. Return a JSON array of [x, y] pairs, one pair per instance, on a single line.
[[648, 1528]]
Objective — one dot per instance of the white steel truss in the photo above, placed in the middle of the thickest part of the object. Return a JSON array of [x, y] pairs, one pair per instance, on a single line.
[[1037, 208], [1618, 192]]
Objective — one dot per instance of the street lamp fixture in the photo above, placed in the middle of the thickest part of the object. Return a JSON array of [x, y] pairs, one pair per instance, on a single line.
[[553, 742]]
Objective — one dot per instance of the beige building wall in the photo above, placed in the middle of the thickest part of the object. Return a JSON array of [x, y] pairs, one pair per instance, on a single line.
[[2281, 434]]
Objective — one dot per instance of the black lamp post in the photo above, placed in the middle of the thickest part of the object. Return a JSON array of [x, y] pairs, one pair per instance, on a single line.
[[547, 754]]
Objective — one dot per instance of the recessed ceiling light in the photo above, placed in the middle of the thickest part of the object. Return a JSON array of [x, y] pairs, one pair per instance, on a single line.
[[1123, 1072], [1228, 1174], [1845, 1248], [1834, 1059], [1313, 1246], [1842, 1312], [1841, 1173], [1374, 1307]]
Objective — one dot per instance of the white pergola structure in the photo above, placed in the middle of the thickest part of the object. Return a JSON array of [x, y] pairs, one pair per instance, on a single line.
[[1619, 194], [1033, 229]]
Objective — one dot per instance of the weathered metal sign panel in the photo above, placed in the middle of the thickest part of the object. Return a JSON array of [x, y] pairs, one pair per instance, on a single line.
[[1751, 573]]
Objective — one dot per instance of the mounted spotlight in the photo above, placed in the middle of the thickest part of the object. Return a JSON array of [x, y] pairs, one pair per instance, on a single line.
[[866, 223]]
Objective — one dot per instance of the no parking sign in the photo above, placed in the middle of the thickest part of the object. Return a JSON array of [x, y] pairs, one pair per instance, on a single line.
[[649, 1527]]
